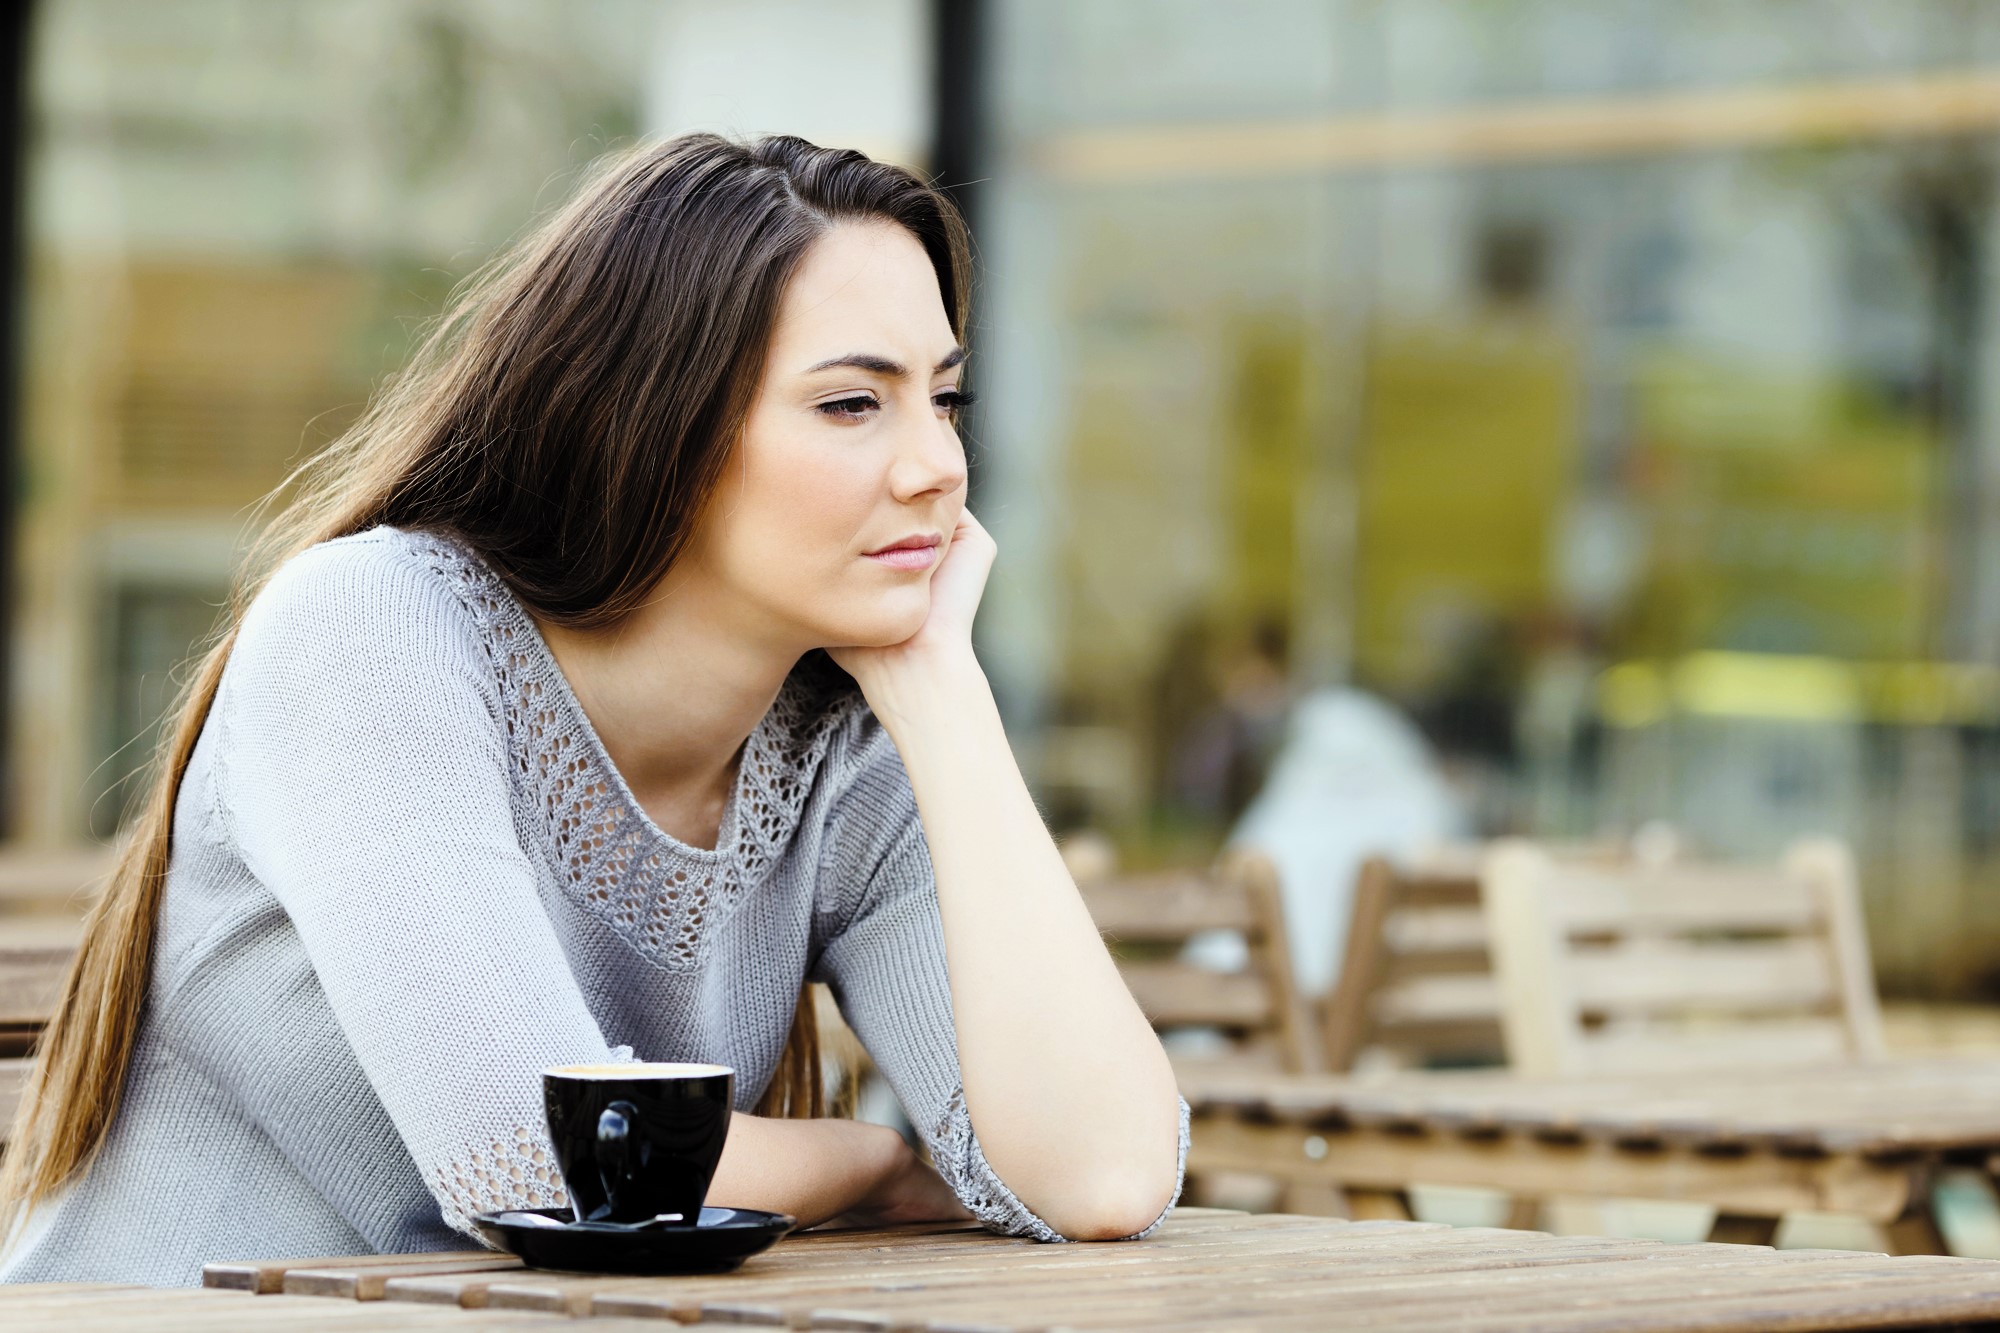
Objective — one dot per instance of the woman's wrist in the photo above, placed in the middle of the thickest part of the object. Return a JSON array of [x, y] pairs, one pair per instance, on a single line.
[[908, 1189], [921, 689], [813, 1169], [891, 1165]]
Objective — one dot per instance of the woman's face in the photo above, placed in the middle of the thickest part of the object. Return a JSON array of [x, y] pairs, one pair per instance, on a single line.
[[836, 505]]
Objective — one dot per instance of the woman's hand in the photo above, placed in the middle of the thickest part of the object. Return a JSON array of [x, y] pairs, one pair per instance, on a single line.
[[946, 634]]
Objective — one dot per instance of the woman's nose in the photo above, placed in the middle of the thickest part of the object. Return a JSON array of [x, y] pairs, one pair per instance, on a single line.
[[929, 460]]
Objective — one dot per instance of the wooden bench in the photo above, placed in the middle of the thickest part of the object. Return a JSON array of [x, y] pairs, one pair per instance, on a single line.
[[1864, 1139]]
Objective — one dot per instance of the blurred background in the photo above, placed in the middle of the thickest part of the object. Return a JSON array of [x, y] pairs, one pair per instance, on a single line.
[[1564, 417]]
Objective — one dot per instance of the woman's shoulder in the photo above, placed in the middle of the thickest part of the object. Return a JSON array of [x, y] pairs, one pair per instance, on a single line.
[[868, 814], [370, 569], [384, 598], [355, 647]]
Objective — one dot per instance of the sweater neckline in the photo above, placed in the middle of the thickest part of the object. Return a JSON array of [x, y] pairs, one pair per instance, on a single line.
[[728, 833], [772, 773]]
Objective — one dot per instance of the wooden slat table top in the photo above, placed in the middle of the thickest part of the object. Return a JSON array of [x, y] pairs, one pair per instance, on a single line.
[[1878, 1109], [102, 1309], [55, 876], [1203, 1270]]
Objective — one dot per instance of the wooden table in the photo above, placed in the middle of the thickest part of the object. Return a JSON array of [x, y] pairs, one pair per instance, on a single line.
[[1204, 1270], [1861, 1139]]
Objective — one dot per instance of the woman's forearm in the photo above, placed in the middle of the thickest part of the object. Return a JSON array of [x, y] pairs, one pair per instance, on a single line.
[[1069, 1091], [812, 1169]]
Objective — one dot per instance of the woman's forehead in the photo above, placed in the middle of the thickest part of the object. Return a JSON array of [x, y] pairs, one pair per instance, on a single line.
[[863, 287]]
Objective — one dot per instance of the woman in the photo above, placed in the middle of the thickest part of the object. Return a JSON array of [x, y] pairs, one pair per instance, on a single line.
[[527, 754]]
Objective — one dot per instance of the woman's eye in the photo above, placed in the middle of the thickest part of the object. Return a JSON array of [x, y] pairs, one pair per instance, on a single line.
[[850, 409], [953, 400]]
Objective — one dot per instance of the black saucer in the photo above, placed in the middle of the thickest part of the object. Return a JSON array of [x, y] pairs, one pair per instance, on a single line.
[[724, 1238]]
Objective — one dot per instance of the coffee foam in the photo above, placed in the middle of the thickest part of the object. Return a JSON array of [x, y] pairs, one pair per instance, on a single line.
[[639, 1070]]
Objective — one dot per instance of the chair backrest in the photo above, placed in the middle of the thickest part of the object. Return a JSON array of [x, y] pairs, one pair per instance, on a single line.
[[1606, 967], [1148, 919], [13, 1086], [1416, 985]]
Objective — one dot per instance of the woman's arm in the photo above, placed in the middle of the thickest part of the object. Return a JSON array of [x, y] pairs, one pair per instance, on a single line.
[[1068, 1089], [360, 769]]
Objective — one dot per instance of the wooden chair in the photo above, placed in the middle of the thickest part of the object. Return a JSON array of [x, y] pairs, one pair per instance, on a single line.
[[1604, 969], [845, 1065], [35, 953], [1149, 918], [1416, 987], [34, 957], [31, 977], [13, 1086], [1608, 969], [44, 892]]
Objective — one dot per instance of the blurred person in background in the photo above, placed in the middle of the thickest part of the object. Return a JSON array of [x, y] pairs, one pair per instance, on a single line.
[[609, 681], [1470, 720], [1225, 755]]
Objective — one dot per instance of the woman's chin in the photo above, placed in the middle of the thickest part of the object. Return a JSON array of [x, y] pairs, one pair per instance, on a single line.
[[875, 632], [883, 623]]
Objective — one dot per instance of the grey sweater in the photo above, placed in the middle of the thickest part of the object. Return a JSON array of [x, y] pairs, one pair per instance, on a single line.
[[406, 878]]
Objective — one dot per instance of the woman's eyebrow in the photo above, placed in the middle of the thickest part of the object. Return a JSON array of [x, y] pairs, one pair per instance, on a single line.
[[882, 365]]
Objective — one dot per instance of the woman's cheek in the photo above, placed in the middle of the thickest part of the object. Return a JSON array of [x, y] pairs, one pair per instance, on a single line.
[[799, 523], [831, 497]]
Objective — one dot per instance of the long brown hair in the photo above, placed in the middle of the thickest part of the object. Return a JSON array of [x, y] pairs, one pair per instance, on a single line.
[[566, 417]]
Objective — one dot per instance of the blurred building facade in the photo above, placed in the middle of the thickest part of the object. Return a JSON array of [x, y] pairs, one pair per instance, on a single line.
[[236, 214], [1604, 385]]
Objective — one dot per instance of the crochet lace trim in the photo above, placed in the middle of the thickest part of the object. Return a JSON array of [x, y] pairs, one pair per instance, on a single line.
[[660, 895], [512, 1171]]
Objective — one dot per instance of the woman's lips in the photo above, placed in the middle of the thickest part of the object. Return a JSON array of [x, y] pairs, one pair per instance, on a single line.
[[912, 555]]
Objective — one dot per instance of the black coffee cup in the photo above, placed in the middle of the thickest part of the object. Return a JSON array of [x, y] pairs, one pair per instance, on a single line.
[[638, 1142]]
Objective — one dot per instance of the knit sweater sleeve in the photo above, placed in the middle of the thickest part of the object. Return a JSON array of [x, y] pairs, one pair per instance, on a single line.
[[885, 963], [363, 775]]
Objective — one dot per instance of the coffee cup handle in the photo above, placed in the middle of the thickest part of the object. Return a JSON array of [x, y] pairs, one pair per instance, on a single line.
[[614, 1148]]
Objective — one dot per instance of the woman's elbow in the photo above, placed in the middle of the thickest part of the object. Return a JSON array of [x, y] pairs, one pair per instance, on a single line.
[[1113, 1205]]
